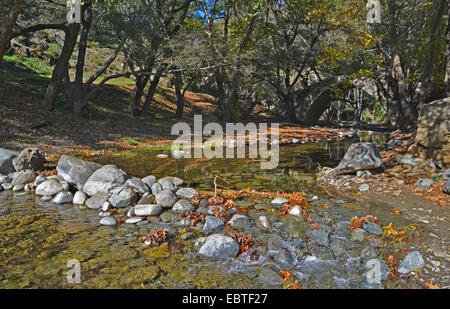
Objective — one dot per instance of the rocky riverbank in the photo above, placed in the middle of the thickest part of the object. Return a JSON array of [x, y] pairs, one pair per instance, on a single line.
[[291, 240]]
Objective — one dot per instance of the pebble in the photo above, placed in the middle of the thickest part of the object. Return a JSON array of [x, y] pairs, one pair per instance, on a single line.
[[413, 261], [108, 221], [133, 220], [264, 223], [7, 186], [364, 187], [148, 210], [63, 197]]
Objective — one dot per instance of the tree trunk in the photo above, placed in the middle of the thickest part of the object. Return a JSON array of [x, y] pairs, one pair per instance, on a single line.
[[407, 111], [179, 93], [428, 66], [141, 82], [78, 89], [61, 67], [7, 26], [447, 71], [152, 90]]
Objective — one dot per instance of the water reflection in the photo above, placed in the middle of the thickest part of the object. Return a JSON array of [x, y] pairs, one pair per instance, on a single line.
[[298, 164]]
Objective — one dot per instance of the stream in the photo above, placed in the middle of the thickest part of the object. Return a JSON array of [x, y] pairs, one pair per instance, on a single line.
[[39, 238]]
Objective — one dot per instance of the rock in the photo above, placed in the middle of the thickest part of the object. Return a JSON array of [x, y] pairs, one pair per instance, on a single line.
[[97, 200], [6, 161], [47, 198], [39, 179], [413, 261], [123, 198], [63, 198], [76, 171], [296, 211], [219, 247], [79, 198], [169, 216], [146, 199], [165, 199], [4, 179], [23, 177], [446, 174], [409, 159], [186, 192], [156, 188], [130, 212], [238, 221], [187, 236], [264, 223], [213, 225], [149, 181], [360, 157], [369, 253], [183, 206], [447, 187], [29, 158], [364, 187], [175, 180], [433, 130], [285, 258], [358, 235], [133, 220], [17, 188], [137, 185], [108, 221], [279, 202], [148, 210], [104, 214], [372, 228], [321, 235], [7, 186], [65, 185], [270, 277], [424, 183], [105, 179], [106, 206], [49, 187], [1, 188], [167, 184]]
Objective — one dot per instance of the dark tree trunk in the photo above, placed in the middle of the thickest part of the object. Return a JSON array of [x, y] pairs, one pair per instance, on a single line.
[[61, 67], [408, 114], [7, 25], [141, 82], [433, 46], [152, 90], [221, 95], [179, 93], [79, 101]]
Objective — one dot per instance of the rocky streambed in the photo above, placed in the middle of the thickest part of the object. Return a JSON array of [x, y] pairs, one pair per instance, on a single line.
[[159, 232]]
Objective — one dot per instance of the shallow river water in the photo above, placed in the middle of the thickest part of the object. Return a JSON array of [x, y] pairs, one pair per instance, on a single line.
[[38, 239]]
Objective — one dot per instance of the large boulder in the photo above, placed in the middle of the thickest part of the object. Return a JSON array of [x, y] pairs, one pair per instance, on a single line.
[[360, 157], [122, 197], [218, 246], [29, 158], [76, 171], [105, 180], [6, 161], [49, 187], [23, 177], [433, 130]]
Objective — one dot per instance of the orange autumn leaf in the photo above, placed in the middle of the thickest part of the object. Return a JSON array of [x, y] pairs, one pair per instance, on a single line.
[[431, 286]]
